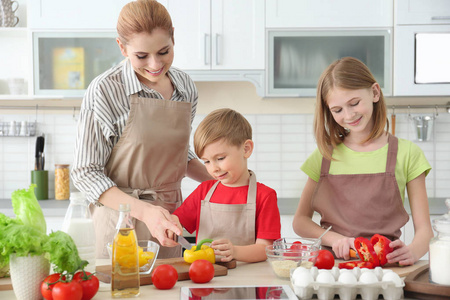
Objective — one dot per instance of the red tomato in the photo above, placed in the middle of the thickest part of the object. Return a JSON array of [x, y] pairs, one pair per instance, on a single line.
[[89, 283], [201, 292], [164, 277], [201, 271], [325, 260], [47, 285], [67, 291]]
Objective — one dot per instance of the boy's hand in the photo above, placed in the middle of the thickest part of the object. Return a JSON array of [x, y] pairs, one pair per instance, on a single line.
[[224, 248]]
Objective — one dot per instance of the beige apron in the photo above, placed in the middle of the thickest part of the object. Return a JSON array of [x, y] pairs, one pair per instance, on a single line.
[[148, 162], [235, 222], [361, 204]]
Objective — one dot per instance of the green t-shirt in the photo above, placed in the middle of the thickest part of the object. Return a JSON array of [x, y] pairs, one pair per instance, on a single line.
[[411, 162]]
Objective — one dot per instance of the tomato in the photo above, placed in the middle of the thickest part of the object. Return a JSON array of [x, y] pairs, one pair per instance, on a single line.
[[48, 283], [325, 260], [201, 271], [201, 292], [67, 291], [164, 277], [89, 284]]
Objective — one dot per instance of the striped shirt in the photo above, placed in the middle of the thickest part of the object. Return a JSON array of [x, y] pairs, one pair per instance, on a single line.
[[103, 116]]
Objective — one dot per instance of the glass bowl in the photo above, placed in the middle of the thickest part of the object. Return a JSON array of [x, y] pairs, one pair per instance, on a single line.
[[286, 256], [146, 258]]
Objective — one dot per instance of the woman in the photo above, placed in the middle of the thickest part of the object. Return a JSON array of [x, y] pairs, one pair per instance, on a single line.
[[358, 175], [133, 133]]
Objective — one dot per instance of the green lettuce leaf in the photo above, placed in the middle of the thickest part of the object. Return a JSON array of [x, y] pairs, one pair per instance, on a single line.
[[27, 208]]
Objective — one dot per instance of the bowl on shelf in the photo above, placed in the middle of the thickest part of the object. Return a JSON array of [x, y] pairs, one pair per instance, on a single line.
[[148, 252], [284, 256]]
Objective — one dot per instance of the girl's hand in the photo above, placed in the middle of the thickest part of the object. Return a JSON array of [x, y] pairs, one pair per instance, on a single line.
[[341, 247], [401, 254], [224, 248]]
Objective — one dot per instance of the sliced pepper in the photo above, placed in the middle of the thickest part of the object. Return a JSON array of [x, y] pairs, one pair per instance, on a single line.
[[200, 251], [365, 250], [353, 264], [380, 244]]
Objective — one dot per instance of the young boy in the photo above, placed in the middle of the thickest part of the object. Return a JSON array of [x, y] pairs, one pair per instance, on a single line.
[[239, 214]]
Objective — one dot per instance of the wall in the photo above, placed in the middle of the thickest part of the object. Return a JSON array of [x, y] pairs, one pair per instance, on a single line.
[[282, 134]]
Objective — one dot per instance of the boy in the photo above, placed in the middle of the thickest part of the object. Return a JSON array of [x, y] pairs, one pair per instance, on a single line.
[[239, 214]]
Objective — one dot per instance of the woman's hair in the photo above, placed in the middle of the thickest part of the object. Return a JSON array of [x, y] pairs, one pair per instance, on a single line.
[[222, 124], [142, 16], [351, 74]]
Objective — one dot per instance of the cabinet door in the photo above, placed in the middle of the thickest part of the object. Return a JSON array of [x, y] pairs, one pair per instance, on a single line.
[[415, 12], [237, 34], [80, 14], [329, 13], [192, 28]]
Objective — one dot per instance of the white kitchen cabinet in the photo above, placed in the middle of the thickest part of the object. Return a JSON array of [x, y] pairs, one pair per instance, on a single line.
[[329, 13], [80, 14], [416, 12], [218, 34]]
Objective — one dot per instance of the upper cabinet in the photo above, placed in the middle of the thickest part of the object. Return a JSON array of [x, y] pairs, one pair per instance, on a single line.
[[80, 14], [218, 34], [326, 13], [416, 12]]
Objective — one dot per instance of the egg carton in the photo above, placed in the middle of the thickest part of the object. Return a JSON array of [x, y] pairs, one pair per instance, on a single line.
[[348, 284]]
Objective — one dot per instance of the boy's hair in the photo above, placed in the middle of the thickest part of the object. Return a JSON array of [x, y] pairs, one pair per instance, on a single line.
[[351, 74], [222, 123]]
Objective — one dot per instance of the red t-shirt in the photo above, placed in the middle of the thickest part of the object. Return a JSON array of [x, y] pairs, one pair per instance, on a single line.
[[267, 223]]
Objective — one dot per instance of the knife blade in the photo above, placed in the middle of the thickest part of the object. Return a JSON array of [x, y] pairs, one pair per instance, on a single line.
[[183, 242]]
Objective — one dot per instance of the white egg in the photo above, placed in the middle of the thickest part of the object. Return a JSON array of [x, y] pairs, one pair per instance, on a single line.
[[325, 277], [303, 279], [379, 272], [299, 270], [347, 278], [368, 277], [392, 277]]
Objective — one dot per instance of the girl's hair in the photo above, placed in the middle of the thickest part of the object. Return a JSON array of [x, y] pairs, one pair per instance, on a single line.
[[142, 16], [351, 74], [222, 123]]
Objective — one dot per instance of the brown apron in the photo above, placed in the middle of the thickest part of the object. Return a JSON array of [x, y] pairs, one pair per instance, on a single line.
[[361, 204], [148, 162], [235, 222]]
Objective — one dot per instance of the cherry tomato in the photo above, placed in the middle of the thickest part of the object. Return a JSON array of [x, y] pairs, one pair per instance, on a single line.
[[201, 292], [201, 271], [164, 277], [325, 260], [48, 283], [89, 284], [67, 291]]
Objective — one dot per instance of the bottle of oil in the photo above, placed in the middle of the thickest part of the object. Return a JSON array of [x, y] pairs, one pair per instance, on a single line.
[[125, 264]]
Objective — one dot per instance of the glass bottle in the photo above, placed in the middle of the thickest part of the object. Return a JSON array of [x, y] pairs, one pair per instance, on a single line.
[[125, 264], [80, 226], [62, 182], [440, 249]]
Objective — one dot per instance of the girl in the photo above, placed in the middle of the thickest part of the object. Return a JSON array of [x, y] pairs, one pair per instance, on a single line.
[[358, 174]]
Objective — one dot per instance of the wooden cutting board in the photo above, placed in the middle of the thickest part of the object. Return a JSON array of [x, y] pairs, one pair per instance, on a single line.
[[5, 284], [182, 267], [418, 284]]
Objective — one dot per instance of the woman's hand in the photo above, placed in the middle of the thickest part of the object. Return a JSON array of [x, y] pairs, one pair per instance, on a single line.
[[341, 247], [224, 248], [402, 254], [162, 225]]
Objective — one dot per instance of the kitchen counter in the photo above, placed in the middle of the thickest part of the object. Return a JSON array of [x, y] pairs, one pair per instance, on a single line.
[[244, 274]]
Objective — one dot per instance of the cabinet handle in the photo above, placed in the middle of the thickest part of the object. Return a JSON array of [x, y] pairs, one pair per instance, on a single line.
[[207, 52], [218, 52], [440, 18]]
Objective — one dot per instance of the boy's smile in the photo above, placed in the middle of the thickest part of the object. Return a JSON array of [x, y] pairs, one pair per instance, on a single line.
[[228, 163]]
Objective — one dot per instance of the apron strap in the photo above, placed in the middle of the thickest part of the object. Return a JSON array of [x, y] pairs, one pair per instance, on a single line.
[[136, 193], [251, 194], [392, 154], [325, 168]]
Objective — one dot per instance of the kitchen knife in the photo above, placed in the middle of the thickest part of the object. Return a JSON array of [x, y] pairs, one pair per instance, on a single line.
[[183, 242]]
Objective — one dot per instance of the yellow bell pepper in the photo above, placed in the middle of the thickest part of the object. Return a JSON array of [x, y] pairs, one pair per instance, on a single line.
[[200, 252]]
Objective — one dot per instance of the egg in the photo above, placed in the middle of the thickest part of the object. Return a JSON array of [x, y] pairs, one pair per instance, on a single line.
[[325, 277], [303, 279], [314, 272], [379, 272], [298, 271], [347, 278], [368, 277], [392, 277]]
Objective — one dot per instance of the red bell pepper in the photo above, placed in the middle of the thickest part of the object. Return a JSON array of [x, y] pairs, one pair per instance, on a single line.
[[353, 264], [365, 251], [381, 246]]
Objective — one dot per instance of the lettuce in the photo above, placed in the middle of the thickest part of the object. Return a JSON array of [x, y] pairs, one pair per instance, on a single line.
[[63, 252], [27, 209]]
